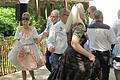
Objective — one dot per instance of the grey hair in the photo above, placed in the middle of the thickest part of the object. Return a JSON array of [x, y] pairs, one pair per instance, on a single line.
[[92, 8], [74, 16], [98, 14], [118, 14], [56, 11]]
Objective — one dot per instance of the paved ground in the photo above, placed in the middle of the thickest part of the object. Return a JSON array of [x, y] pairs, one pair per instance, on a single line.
[[112, 76], [40, 74]]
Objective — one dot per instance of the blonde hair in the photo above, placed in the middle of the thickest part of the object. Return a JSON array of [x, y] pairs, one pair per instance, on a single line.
[[74, 16]]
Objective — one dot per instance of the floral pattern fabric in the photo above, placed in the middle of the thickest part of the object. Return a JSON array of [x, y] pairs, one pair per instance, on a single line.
[[25, 54]]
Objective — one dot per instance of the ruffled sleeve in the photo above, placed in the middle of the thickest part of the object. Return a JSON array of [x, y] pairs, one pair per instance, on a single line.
[[35, 33], [18, 34]]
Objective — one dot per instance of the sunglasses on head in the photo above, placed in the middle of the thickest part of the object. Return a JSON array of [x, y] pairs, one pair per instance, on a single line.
[[25, 18], [66, 14]]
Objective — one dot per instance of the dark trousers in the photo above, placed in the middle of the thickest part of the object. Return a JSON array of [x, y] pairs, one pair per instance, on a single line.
[[47, 64], [54, 60], [103, 58]]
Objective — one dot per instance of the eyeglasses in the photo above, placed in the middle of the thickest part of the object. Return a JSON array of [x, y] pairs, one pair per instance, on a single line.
[[25, 19]]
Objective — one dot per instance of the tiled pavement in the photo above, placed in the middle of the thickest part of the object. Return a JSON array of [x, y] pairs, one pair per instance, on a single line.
[[40, 74]]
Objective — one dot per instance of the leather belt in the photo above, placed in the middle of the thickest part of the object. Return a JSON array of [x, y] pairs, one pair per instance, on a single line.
[[96, 51]]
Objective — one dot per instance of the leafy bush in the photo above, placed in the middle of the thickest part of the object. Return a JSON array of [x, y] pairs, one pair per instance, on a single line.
[[7, 21]]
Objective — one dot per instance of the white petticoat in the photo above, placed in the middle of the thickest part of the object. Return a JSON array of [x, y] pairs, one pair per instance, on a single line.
[[116, 53], [116, 65], [27, 57]]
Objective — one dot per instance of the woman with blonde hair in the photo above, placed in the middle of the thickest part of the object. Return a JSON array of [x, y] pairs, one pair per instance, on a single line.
[[75, 64]]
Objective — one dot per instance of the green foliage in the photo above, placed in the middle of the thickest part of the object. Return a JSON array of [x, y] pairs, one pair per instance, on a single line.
[[59, 6], [40, 24], [7, 21]]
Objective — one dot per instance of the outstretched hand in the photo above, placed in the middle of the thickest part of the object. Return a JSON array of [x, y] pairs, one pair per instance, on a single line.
[[51, 49]]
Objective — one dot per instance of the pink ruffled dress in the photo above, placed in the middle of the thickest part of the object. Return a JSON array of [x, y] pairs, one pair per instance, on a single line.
[[25, 54]]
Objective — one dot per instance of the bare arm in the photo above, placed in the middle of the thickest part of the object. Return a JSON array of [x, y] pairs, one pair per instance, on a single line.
[[76, 45]]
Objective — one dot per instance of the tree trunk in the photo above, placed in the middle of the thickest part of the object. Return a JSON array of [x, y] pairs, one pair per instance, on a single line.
[[37, 9], [65, 4], [46, 9]]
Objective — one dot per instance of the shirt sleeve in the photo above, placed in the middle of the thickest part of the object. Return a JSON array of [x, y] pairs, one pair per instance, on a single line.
[[47, 29], [51, 38], [79, 30], [111, 36], [48, 26]]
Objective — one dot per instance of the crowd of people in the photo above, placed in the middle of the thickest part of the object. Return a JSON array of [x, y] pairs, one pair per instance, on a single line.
[[74, 51]]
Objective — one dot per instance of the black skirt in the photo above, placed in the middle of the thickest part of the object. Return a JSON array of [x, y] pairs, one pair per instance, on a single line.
[[72, 66]]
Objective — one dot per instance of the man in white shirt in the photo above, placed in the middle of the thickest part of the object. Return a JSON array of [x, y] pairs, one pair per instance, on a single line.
[[57, 40], [101, 39], [91, 11], [52, 20]]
